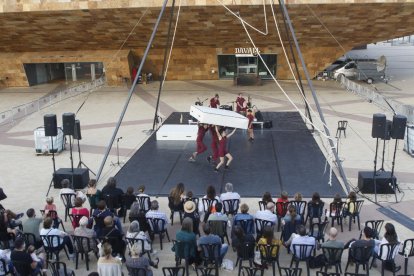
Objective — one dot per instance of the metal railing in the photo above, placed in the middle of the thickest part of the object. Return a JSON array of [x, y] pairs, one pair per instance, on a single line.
[[380, 100], [21, 111]]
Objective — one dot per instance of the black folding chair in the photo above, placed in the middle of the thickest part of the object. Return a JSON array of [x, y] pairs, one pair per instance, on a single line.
[[281, 210], [289, 271], [335, 213], [207, 204], [341, 128], [356, 207], [158, 227], [182, 252], [333, 257], [132, 241], [174, 209], [49, 244], [300, 208], [260, 224], [67, 200], [204, 271], [136, 271], [84, 245], [60, 269], [388, 251], [376, 226], [407, 252], [317, 231], [245, 252], [360, 255], [231, 206], [302, 253], [262, 205], [269, 254], [219, 228], [315, 211], [144, 203], [251, 271], [210, 254], [173, 271], [320, 273], [246, 224], [23, 269]]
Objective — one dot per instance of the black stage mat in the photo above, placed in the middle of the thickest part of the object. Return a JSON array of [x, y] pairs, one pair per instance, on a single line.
[[285, 157]]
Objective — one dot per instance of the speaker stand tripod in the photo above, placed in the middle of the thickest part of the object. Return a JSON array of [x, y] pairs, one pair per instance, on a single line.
[[375, 170], [81, 162], [118, 163], [54, 167]]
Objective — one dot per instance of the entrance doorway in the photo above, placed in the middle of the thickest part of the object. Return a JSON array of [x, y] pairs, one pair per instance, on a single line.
[[232, 65]]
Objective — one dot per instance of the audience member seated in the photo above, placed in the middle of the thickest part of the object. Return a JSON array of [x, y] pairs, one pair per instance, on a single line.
[[218, 215], [209, 238], [5, 230], [84, 231], [31, 225], [229, 194], [267, 214], [301, 209], [155, 213], [100, 214], [290, 222], [135, 233], [291, 216], [110, 190], [350, 208], [244, 215], [366, 239], [80, 211], [20, 255], [141, 193], [331, 242], [5, 256], [177, 195], [302, 238], [336, 200], [94, 194], [187, 235], [65, 240], [267, 197], [210, 194], [238, 238], [113, 236], [284, 197], [129, 198], [50, 206], [138, 261], [190, 212], [107, 264], [390, 236], [268, 239], [67, 189]]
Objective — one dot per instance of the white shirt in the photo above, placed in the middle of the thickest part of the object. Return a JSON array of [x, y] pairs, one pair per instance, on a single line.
[[303, 240], [266, 215], [157, 214], [201, 206], [52, 231], [229, 195]]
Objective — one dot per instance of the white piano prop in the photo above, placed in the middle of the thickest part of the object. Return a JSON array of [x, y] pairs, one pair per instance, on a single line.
[[177, 132], [220, 117]]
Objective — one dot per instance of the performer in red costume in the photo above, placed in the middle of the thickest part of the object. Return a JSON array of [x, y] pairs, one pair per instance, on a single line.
[[214, 144], [250, 117], [202, 129], [241, 104], [214, 102], [223, 136]]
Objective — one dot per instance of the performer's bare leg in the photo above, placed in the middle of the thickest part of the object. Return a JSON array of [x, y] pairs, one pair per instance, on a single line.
[[229, 159], [219, 164]]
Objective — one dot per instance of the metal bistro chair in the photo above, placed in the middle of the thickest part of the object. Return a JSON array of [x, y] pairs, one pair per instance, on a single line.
[[158, 227], [210, 254], [83, 247], [173, 271], [341, 128], [67, 200], [60, 269], [281, 210], [260, 224], [407, 252], [335, 213], [269, 254], [388, 251], [333, 257], [302, 253], [231, 206]]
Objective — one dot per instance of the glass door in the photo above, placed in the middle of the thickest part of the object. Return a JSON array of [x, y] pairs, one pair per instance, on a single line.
[[246, 65]]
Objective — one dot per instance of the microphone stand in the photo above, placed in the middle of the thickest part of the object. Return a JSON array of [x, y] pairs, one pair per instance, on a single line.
[[118, 163], [54, 167]]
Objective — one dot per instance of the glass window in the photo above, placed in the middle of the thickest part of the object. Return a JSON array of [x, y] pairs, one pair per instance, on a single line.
[[271, 62], [227, 66]]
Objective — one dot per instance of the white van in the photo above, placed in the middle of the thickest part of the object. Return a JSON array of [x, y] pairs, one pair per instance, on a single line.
[[360, 70]]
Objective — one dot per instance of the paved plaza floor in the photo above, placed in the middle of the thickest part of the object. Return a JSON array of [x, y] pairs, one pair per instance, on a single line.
[[25, 176]]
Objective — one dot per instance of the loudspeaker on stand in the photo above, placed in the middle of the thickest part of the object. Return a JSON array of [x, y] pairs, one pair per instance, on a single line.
[[50, 123]]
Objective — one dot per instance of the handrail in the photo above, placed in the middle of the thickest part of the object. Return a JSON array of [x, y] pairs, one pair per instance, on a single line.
[[378, 99], [20, 111]]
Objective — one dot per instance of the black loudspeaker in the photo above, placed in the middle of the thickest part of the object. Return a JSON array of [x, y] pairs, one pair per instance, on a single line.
[[68, 122], [77, 133], [388, 128], [383, 179], [259, 116], [399, 124], [50, 123], [80, 177], [379, 124], [268, 124]]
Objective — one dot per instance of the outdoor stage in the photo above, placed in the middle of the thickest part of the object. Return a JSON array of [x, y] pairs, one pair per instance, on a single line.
[[283, 158]]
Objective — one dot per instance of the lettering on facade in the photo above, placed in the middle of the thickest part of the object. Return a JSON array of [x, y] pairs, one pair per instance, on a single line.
[[246, 51]]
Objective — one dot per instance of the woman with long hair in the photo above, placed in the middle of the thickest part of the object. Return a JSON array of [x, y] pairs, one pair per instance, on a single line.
[[269, 239], [107, 264], [176, 197]]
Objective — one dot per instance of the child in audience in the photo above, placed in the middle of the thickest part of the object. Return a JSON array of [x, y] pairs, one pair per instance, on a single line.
[[332, 211], [349, 206], [50, 206]]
